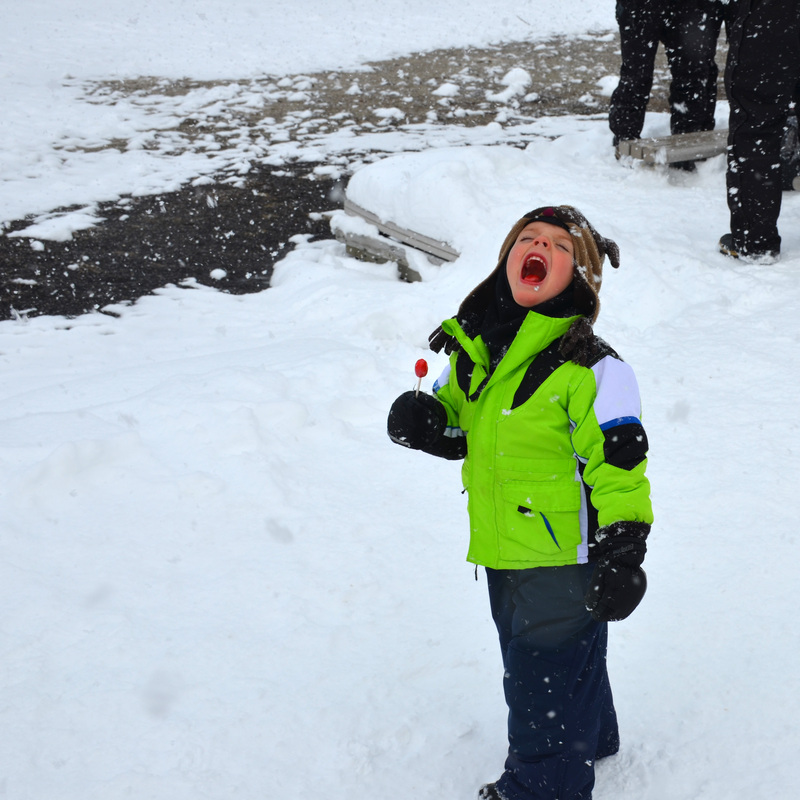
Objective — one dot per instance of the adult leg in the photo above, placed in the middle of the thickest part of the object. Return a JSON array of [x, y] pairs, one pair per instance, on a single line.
[[561, 714], [639, 24], [762, 70], [690, 34]]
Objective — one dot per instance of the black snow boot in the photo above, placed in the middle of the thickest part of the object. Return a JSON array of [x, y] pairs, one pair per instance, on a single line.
[[729, 248]]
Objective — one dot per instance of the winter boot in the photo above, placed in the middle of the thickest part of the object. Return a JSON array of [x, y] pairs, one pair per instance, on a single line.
[[728, 248]]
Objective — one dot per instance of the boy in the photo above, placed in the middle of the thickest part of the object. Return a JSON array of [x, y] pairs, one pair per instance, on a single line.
[[546, 416]]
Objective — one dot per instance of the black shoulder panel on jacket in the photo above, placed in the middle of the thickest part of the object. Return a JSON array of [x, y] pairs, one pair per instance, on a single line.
[[602, 349], [539, 370], [464, 369]]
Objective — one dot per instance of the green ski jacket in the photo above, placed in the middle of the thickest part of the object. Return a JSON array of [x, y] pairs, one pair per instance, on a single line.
[[554, 450]]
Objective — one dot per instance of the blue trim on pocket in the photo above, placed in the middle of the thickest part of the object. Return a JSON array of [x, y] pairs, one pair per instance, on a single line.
[[550, 530]]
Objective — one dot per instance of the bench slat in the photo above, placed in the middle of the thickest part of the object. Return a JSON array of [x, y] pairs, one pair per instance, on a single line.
[[678, 147], [435, 248]]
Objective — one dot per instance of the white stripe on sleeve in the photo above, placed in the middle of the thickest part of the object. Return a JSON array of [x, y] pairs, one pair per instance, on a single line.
[[617, 400]]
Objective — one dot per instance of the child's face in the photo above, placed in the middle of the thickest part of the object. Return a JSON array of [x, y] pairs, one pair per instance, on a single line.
[[539, 266]]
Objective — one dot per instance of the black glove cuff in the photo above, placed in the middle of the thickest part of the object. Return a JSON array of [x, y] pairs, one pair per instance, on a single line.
[[623, 542], [629, 528]]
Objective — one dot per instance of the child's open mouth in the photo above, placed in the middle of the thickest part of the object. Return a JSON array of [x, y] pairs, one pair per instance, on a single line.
[[534, 269]]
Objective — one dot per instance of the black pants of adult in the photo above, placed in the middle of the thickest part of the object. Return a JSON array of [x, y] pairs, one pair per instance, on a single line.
[[561, 715], [689, 30], [761, 77]]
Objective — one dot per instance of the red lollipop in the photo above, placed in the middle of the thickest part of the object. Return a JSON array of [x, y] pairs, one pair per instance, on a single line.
[[420, 370]]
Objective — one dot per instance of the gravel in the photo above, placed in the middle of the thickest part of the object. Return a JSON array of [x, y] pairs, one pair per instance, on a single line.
[[229, 235]]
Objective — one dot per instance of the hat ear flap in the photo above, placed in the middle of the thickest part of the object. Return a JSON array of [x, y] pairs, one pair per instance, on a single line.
[[586, 301], [612, 251], [470, 313]]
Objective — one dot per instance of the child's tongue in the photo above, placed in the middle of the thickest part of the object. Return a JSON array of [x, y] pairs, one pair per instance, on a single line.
[[534, 269]]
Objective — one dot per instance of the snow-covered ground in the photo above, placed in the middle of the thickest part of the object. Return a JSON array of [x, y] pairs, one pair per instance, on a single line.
[[220, 579]]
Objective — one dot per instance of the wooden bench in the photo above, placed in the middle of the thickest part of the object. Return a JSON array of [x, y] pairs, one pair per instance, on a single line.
[[678, 147], [390, 243]]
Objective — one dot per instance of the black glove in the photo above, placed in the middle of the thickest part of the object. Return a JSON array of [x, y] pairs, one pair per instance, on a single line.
[[618, 582], [416, 420]]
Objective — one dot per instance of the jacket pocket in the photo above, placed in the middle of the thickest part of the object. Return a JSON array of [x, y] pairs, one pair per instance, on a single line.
[[542, 516]]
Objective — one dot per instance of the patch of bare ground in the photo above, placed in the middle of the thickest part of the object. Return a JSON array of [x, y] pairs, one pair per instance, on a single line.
[[230, 236]]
